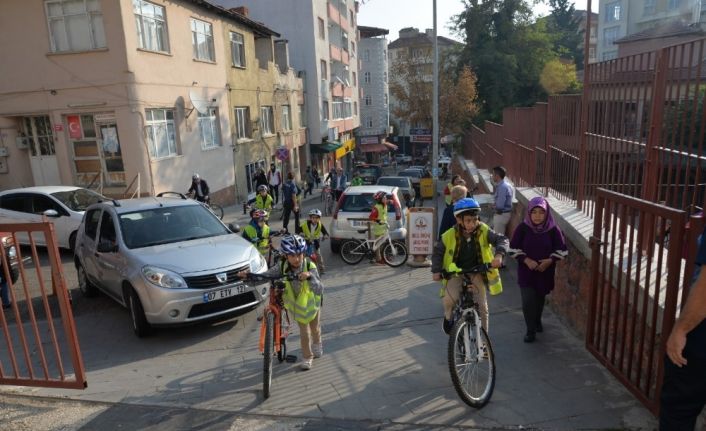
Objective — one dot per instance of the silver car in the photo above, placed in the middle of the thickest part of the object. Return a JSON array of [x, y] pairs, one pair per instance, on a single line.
[[170, 261]]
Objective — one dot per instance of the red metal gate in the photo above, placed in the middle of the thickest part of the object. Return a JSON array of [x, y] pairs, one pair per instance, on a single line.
[[39, 345], [636, 271]]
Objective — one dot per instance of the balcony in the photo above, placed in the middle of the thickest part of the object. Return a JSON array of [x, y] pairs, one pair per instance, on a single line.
[[333, 13], [345, 57], [335, 52]]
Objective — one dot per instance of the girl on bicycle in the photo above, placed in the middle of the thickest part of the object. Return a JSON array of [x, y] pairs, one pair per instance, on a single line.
[[302, 297], [313, 232], [258, 232], [537, 244], [378, 215], [464, 246]]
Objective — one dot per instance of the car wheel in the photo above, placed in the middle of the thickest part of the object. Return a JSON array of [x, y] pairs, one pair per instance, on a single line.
[[72, 242], [140, 325], [84, 285]]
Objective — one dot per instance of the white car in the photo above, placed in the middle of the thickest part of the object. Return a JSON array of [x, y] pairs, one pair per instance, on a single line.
[[62, 205]]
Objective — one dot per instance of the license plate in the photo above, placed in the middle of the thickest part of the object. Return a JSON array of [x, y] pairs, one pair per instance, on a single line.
[[223, 293], [358, 223]]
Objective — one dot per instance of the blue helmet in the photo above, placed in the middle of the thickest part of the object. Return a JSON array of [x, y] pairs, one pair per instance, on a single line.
[[466, 205], [292, 244]]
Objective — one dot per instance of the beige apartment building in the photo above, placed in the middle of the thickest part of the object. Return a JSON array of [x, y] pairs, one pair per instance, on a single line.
[[141, 94]]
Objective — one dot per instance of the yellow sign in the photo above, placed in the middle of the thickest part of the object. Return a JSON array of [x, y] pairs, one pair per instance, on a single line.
[[426, 187], [347, 147]]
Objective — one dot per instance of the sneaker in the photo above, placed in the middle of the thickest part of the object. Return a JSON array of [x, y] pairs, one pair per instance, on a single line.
[[306, 364], [318, 350], [447, 325]]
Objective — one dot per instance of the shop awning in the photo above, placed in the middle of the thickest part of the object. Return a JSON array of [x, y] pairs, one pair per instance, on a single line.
[[326, 147], [373, 148]]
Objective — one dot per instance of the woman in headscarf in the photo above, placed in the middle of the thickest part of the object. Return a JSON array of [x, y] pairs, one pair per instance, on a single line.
[[537, 244]]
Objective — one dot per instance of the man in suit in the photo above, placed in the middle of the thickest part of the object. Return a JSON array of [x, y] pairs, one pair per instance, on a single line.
[[199, 187]]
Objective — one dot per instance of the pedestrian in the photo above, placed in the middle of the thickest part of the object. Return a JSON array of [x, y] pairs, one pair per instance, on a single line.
[[455, 181], [684, 386], [261, 179], [302, 296], [274, 179], [338, 182], [447, 219], [290, 201], [503, 200], [317, 178], [309, 181], [537, 244], [199, 188]]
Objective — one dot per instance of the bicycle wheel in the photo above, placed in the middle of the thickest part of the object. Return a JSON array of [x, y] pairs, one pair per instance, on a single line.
[[267, 354], [353, 251], [282, 354], [473, 378], [394, 254], [217, 210]]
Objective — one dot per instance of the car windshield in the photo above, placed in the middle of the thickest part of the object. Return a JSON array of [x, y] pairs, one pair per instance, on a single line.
[[79, 199], [168, 225], [395, 182], [368, 171], [414, 173], [363, 203]]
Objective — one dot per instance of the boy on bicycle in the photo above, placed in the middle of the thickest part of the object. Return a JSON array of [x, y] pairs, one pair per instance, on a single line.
[[313, 231], [378, 216], [263, 200], [464, 246], [302, 297], [258, 232]]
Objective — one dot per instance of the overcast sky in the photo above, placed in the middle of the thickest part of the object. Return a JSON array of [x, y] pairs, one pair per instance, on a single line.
[[396, 14]]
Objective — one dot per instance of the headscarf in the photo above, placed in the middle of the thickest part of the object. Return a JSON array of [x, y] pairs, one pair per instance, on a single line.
[[548, 224]]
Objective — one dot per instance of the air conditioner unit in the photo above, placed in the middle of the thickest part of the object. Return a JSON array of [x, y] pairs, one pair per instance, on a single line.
[[22, 142]]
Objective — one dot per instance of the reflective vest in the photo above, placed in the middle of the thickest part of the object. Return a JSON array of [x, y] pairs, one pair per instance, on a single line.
[[263, 246], [308, 235], [357, 182], [447, 198], [263, 203], [493, 276], [305, 305], [379, 229]]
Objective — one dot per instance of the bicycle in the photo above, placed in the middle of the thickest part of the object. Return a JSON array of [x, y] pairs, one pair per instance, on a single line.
[[354, 250], [216, 209], [470, 354], [274, 328]]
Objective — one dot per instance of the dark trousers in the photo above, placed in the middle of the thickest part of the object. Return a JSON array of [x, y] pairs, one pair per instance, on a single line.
[[532, 308], [337, 194], [274, 192], [287, 209], [683, 394], [309, 188]]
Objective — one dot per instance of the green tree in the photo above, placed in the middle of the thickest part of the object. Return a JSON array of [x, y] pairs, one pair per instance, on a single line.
[[563, 24]]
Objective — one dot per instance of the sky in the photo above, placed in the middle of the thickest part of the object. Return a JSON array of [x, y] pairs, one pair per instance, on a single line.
[[396, 14]]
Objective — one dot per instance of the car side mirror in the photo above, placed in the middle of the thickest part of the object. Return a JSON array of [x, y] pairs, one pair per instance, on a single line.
[[233, 227], [107, 247], [51, 213]]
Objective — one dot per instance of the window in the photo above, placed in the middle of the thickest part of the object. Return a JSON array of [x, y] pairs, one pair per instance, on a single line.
[[39, 130], [302, 116], [368, 100], [151, 23], [612, 12], [75, 25], [366, 77], [267, 120], [242, 122], [366, 55], [91, 225], [17, 202], [208, 126], [202, 40], [609, 35], [355, 79], [355, 108], [237, 49], [286, 118], [384, 76], [649, 8], [673, 4], [352, 49], [324, 70], [250, 171], [351, 17], [592, 53], [322, 29], [369, 122], [337, 108], [347, 111], [161, 134], [324, 110], [107, 229], [384, 99]]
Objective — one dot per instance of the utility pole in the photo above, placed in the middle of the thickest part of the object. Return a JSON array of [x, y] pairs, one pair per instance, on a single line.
[[435, 103]]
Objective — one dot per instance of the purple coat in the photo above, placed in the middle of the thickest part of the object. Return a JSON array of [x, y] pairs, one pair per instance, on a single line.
[[527, 243]]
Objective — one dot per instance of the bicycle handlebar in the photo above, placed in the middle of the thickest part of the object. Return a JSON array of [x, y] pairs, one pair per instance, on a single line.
[[288, 277], [478, 269]]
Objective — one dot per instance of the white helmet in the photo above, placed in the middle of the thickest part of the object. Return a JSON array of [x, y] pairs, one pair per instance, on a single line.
[[315, 212], [195, 176]]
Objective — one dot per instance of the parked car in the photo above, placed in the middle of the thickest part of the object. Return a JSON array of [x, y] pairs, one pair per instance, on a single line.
[[62, 205], [403, 158], [356, 203], [409, 195], [170, 261], [369, 173], [415, 175]]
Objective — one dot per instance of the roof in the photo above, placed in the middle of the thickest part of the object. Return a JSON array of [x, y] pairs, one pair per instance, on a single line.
[[421, 39], [366, 31], [148, 203], [42, 189], [670, 29], [369, 189], [258, 27]]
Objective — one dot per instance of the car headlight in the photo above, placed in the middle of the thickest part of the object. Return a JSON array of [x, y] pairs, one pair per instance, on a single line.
[[12, 253], [257, 261], [163, 278]]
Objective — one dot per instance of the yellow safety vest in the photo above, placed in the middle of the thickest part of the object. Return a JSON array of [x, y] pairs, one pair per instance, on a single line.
[[263, 203], [263, 246], [447, 198], [304, 306], [308, 235], [493, 276], [379, 229]]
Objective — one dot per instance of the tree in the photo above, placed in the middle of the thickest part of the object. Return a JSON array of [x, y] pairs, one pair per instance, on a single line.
[[457, 104], [559, 77], [563, 23]]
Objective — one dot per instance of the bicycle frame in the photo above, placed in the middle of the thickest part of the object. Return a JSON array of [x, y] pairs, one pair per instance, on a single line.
[[466, 309], [274, 306]]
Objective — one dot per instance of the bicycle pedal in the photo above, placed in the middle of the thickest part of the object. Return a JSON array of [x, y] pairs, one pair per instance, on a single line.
[[291, 358]]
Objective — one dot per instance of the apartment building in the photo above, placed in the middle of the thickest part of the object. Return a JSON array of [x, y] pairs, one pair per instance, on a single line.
[[134, 94], [582, 18], [323, 40]]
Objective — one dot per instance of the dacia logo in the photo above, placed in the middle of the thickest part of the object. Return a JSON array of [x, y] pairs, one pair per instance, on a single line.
[[222, 277]]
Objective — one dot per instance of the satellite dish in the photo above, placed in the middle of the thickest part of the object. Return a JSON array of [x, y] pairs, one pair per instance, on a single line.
[[200, 103]]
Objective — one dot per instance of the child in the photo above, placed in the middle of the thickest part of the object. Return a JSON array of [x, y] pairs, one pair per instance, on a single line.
[[536, 244], [257, 231], [378, 216], [357, 180], [263, 200], [468, 244], [313, 231], [302, 297]]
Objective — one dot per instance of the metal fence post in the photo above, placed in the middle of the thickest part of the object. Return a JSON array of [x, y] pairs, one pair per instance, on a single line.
[[651, 168]]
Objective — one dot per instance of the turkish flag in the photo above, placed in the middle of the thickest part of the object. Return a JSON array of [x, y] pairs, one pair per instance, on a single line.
[[74, 127]]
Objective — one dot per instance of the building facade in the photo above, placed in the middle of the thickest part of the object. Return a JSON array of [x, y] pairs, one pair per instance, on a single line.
[[130, 95], [323, 41]]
